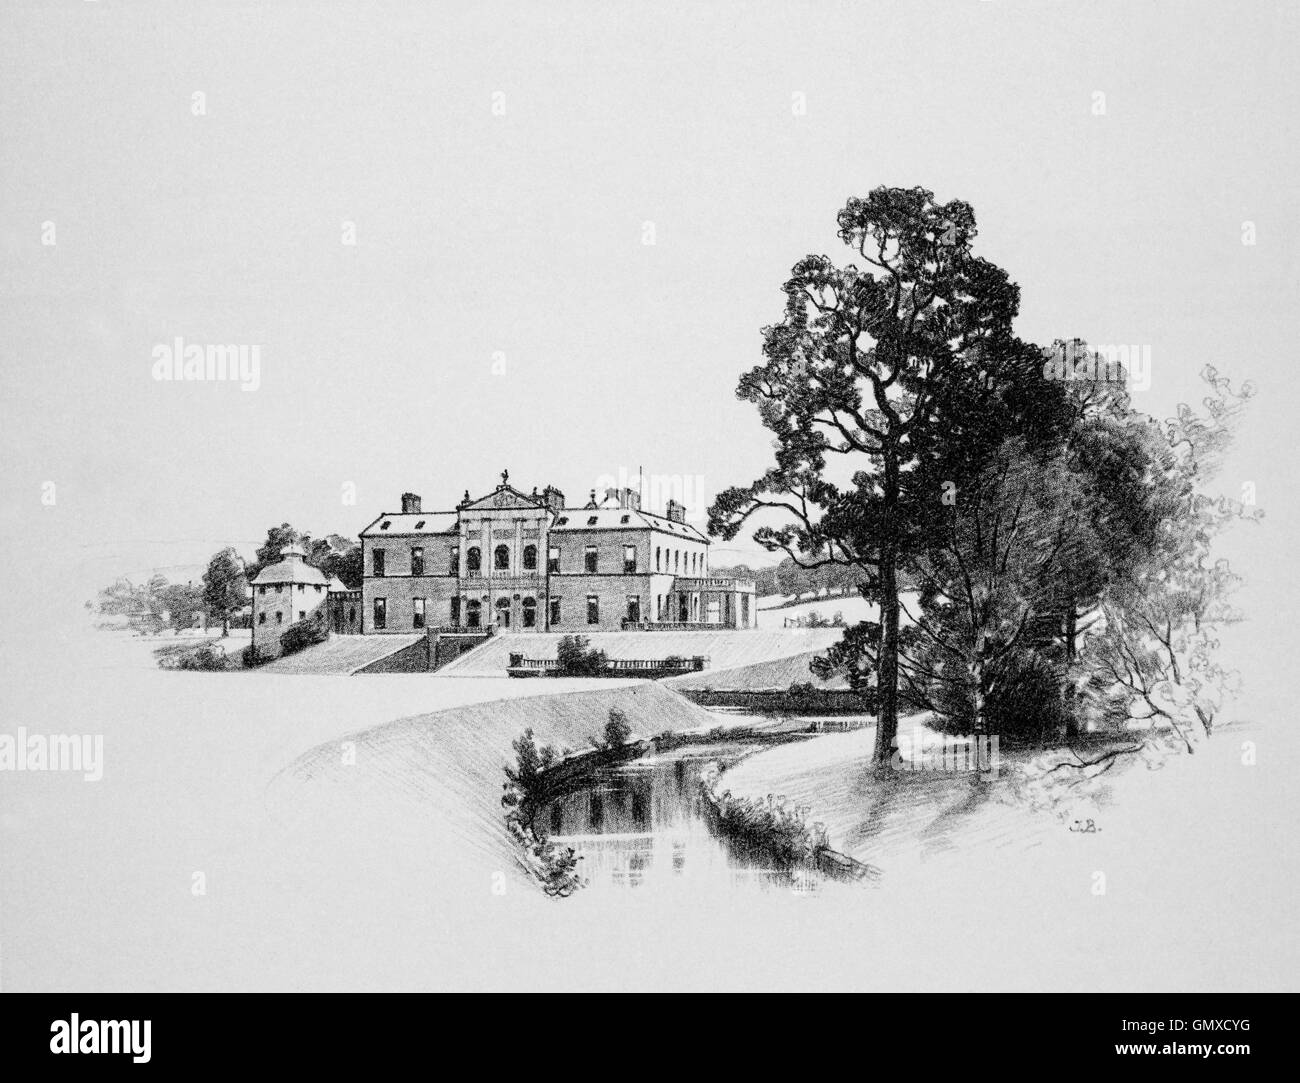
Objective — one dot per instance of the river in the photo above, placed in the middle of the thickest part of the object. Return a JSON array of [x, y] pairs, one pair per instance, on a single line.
[[644, 823]]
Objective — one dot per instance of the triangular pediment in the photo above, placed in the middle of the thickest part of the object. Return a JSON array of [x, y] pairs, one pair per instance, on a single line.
[[504, 496]]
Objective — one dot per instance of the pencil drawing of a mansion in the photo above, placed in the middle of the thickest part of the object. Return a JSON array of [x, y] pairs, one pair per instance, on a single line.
[[514, 562]]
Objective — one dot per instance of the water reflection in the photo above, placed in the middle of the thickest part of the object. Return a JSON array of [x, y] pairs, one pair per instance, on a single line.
[[646, 823]]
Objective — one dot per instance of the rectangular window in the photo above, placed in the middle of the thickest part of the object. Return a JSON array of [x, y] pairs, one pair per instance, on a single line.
[[633, 609], [453, 560], [377, 562], [381, 612], [417, 617], [417, 560], [555, 612], [629, 560], [302, 614], [455, 612], [593, 609], [553, 560], [261, 590], [261, 617], [589, 558], [279, 617]]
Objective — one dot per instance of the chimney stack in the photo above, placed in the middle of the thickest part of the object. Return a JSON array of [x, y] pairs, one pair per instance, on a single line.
[[676, 511], [410, 504], [627, 498]]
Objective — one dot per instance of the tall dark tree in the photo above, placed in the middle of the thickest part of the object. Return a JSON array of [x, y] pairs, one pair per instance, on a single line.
[[859, 374], [224, 586]]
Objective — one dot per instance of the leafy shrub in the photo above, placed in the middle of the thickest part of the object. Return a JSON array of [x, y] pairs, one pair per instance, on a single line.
[[577, 658], [555, 866], [253, 656], [305, 633], [523, 784], [772, 825], [208, 657], [617, 732]]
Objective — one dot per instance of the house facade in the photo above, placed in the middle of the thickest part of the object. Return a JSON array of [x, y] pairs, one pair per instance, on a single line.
[[520, 562]]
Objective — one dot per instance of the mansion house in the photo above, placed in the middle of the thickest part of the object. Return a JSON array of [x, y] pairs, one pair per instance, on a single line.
[[515, 562]]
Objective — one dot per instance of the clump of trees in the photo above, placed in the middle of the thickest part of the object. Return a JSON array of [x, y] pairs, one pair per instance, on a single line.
[[791, 578], [1057, 540], [555, 866], [152, 606], [333, 554], [157, 604], [577, 657]]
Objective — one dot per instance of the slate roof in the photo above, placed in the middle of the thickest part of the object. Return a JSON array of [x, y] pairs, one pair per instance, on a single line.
[[571, 519], [419, 522], [290, 571]]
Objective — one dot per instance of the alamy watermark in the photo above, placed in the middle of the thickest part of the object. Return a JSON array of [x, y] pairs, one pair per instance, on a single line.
[[1126, 364], [940, 752], [53, 752], [177, 360], [656, 490]]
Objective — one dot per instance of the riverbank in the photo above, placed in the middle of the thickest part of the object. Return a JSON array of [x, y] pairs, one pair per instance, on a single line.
[[449, 763], [370, 882]]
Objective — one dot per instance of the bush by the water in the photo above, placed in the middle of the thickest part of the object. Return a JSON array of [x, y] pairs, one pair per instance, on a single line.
[[617, 732], [555, 866], [771, 825], [524, 781]]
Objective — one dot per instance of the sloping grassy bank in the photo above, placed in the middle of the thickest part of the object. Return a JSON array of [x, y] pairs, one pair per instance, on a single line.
[[446, 768], [886, 820]]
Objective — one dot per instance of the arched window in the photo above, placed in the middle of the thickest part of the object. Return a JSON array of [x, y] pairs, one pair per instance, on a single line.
[[474, 610], [503, 612], [530, 612], [501, 558], [472, 562], [530, 558], [677, 560], [658, 550]]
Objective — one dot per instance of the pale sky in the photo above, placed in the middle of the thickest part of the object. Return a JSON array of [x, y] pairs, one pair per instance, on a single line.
[[500, 164]]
